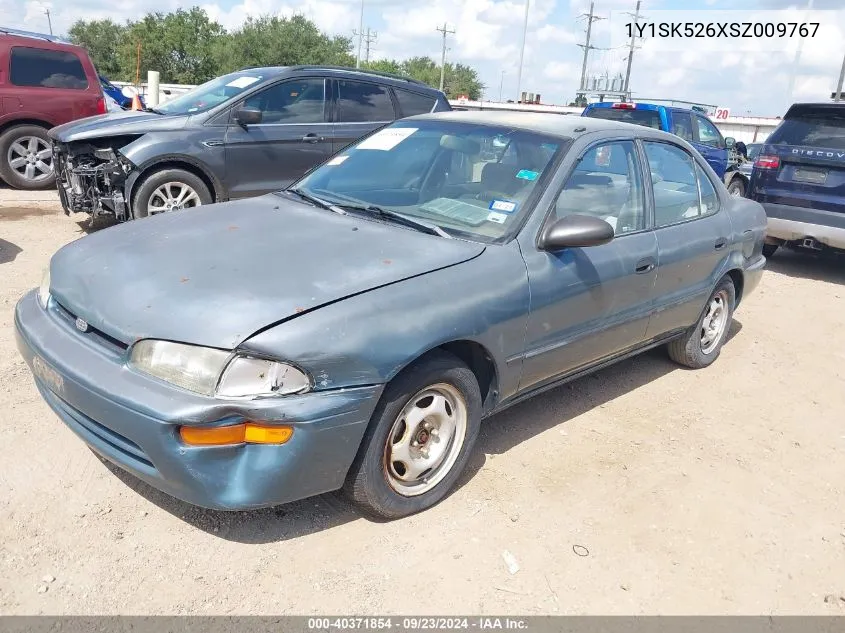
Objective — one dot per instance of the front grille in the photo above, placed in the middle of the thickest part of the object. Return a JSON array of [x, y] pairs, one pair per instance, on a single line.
[[97, 336]]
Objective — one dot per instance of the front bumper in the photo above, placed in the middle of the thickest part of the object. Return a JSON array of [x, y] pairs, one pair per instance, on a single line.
[[795, 224], [88, 184], [132, 420]]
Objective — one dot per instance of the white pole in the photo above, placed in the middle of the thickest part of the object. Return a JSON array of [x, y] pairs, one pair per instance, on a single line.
[[152, 88], [522, 54], [840, 82], [797, 58], [360, 35]]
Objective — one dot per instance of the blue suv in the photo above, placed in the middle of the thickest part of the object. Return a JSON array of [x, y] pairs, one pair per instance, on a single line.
[[691, 125], [799, 178]]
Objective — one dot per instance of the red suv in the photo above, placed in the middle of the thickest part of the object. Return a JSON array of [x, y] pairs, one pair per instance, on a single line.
[[44, 82]]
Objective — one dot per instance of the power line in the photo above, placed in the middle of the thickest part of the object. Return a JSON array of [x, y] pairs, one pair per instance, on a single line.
[[445, 31], [591, 17], [636, 16], [369, 38]]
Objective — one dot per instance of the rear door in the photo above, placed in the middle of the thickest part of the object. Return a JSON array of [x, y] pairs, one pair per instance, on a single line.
[[803, 161], [360, 108], [294, 135], [709, 142]]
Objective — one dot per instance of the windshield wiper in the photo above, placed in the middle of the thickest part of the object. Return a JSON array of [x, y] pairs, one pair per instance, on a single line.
[[399, 218], [153, 110], [317, 202]]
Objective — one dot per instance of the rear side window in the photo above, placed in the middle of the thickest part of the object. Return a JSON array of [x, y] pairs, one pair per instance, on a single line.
[[46, 69], [360, 101], [682, 191], [682, 125], [811, 131], [411, 103], [648, 118]]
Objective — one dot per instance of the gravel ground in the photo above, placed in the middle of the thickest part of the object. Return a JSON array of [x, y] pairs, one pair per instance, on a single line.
[[645, 488]]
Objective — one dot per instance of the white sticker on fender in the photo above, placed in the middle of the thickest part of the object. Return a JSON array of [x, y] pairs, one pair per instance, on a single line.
[[387, 139]]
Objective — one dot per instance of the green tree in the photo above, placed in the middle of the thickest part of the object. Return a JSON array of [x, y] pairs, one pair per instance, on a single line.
[[102, 39], [462, 80]]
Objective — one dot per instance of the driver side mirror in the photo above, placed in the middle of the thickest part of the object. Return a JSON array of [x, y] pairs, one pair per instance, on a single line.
[[730, 141], [248, 116], [575, 231]]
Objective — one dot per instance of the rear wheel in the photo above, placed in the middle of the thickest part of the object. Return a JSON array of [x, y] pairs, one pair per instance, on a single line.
[[702, 343], [419, 439], [737, 187], [769, 249], [26, 158], [169, 190]]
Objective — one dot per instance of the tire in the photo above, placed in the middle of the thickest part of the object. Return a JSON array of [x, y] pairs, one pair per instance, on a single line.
[[30, 149], [690, 350], [375, 481], [769, 249], [177, 180], [737, 187]]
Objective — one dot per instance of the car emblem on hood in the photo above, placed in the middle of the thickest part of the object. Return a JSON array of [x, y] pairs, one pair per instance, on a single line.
[[82, 325]]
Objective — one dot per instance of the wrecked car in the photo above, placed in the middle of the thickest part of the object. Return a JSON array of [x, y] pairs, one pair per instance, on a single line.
[[243, 134], [353, 330]]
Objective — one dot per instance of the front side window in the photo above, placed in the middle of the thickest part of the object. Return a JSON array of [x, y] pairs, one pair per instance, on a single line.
[[301, 101], [707, 132], [606, 183], [675, 178], [472, 180], [682, 125], [360, 102], [38, 67]]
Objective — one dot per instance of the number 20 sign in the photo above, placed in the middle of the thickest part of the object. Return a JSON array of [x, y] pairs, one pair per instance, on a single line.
[[722, 114]]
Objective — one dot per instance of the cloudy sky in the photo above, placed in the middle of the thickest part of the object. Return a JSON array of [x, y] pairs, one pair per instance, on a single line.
[[748, 76]]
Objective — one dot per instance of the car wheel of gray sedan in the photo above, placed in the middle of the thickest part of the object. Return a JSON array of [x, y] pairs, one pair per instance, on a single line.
[[419, 439], [737, 187], [701, 344], [169, 190], [26, 158]]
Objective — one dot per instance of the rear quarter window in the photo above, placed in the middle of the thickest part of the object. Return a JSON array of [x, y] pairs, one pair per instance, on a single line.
[[411, 103], [811, 131], [647, 118], [43, 68]]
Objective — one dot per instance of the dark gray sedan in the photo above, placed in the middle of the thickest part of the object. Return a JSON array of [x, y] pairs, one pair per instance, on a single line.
[[352, 331]]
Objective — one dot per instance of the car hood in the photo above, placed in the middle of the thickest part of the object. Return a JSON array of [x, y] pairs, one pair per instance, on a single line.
[[217, 274], [116, 124]]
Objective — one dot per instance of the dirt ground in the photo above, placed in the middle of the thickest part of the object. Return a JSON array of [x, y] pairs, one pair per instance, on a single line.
[[643, 489]]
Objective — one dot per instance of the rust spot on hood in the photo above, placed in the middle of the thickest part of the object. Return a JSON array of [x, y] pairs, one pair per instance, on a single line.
[[300, 309], [184, 279], [387, 261], [233, 228]]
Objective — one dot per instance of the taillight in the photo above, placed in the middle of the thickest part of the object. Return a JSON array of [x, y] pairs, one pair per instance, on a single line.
[[101, 105], [767, 162]]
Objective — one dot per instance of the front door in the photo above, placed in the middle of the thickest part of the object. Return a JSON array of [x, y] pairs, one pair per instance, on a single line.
[[588, 304], [294, 135], [692, 236], [710, 144], [362, 107]]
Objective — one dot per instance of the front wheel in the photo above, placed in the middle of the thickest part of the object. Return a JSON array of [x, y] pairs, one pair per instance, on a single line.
[[419, 439], [703, 342], [169, 190]]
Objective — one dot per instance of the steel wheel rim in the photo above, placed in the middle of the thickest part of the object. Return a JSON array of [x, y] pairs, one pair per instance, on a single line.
[[172, 196], [425, 440], [31, 158], [715, 322]]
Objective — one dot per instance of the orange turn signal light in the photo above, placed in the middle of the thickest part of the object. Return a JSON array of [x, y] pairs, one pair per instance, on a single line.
[[248, 432]]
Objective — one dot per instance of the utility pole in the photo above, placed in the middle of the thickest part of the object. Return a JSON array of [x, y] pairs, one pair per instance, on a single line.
[[371, 37], [840, 82], [360, 35], [636, 16], [522, 54], [445, 31], [49, 22], [501, 85], [591, 17], [796, 60]]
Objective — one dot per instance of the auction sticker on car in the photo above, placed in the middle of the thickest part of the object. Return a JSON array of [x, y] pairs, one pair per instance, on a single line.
[[242, 82], [505, 206], [49, 376], [387, 139], [498, 218]]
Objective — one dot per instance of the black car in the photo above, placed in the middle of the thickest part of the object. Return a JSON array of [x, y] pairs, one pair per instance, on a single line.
[[243, 134], [799, 177]]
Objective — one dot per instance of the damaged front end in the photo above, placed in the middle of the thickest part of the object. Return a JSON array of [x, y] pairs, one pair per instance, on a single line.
[[91, 175]]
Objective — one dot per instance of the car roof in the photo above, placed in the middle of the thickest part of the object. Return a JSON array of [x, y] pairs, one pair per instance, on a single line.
[[343, 71], [803, 109], [562, 125], [36, 40]]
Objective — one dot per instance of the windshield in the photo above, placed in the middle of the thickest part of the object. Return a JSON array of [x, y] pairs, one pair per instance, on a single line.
[[472, 180], [648, 118], [211, 93], [811, 130]]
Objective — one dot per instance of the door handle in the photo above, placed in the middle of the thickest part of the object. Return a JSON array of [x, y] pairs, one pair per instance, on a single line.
[[721, 243], [312, 138], [645, 265]]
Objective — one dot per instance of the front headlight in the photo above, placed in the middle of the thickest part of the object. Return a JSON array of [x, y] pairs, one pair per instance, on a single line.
[[216, 372], [44, 288]]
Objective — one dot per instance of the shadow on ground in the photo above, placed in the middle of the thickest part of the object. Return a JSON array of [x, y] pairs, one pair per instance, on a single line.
[[830, 268], [499, 434], [8, 251]]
